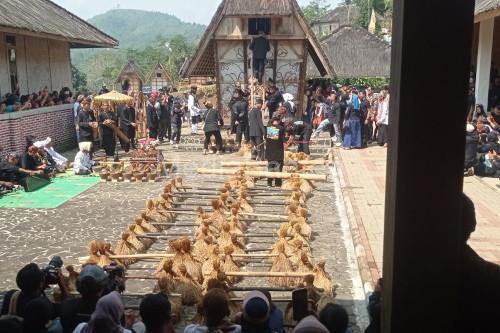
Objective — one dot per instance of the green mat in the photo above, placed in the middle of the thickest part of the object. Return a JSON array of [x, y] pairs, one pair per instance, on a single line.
[[61, 189]]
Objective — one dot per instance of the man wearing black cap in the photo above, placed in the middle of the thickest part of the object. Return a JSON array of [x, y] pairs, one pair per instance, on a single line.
[[256, 130], [239, 111]]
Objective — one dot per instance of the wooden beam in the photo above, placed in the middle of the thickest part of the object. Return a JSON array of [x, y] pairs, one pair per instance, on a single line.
[[487, 15], [285, 175]]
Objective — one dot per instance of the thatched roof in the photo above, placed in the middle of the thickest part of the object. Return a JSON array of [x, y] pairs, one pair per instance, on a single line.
[[130, 69], [342, 15], [354, 52], [203, 61], [483, 6], [158, 67], [45, 18]]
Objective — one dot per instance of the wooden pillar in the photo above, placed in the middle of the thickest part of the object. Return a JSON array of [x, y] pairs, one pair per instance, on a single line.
[[486, 33], [425, 165]]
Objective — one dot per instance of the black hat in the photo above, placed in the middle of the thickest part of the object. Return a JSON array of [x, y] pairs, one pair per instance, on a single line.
[[258, 100]]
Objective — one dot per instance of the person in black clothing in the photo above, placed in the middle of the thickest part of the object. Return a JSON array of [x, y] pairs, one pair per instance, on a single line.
[[273, 100], [38, 314], [240, 114], [90, 284], [213, 121], [299, 132], [152, 116], [86, 125], [256, 130], [259, 46], [471, 146], [11, 173], [107, 118], [177, 114], [155, 311], [128, 125], [375, 308], [275, 150], [104, 90], [165, 117], [364, 110]]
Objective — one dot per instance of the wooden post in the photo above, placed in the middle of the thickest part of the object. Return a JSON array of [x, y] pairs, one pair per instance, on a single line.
[[422, 237]]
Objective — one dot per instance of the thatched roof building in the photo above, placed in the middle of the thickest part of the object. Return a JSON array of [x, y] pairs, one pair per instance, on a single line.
[[224, 54], [159, 78], [334, 19], [43, 18], [354, 52], [131, 76]]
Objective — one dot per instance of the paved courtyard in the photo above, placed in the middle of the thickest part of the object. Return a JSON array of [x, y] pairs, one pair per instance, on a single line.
[[105, 210], [363, 174]]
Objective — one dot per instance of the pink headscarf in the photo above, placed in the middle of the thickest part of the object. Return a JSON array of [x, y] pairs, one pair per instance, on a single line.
[[107, 315]]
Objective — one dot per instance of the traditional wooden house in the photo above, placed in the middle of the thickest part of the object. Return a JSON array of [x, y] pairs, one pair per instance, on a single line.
[[355, 52], [159, 78], [35, 41], [130, 76], [334, 19], [223, 52]]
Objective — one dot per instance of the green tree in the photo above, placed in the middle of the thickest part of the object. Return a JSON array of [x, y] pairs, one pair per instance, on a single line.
[[315, 10], [365, 12], [79, 79]]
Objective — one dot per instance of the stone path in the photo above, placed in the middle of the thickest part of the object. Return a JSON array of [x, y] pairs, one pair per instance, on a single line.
[[363, 174]]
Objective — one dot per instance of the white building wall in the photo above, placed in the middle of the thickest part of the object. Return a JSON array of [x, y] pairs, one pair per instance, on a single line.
[[38, 64], [22, 70], [60, 66], [485, 47]]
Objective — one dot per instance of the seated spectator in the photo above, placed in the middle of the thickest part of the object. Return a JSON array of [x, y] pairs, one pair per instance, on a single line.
[[155, 311], [215, 307], [374, 308], [106, 317], [275, 314], [488, 165], [490, 145], [10, 325], [38, 314], [310, 324], [34, 160], [3, 107], [11, 172], [60, 162], [471, 144], [83, 164], [90, 284], [479, 114], [255, 313], [335, 318]]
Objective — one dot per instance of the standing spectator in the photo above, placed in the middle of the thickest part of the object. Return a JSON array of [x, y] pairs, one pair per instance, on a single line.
[[107, 120], [213, 122], [76, 110], [152, 116], [335, 318], [255, 316], [275, 151], [155, 311], [259, 46], [38, 314], [215, 308], [128, 125], [310, 324], [104, 90], [352, 124], [165, 128], [86, 126], [90, 284], [256, 130], [107, 316], [273, 100], [275, 315], [240, 114], [299, 132], [194, 110], [177, 115], [383, 118], [364, 110]]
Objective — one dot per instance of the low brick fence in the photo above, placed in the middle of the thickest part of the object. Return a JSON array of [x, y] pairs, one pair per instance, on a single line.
[[55, 122]]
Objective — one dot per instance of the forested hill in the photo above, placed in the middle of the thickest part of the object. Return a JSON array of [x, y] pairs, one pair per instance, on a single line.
[[137, 29]]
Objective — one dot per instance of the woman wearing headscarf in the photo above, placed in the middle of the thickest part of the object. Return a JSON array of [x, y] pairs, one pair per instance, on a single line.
[[352, 124], [106, 317]]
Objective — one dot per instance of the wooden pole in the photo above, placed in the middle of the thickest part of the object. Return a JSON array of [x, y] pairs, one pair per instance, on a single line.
[[264, 163], [243, 274], [267, 174]]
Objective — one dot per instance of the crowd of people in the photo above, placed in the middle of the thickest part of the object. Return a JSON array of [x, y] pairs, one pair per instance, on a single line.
[[13, 102], [99, 308]]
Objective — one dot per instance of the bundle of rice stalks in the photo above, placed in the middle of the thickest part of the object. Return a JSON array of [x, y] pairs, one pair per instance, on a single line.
[[235, 225], [292, 209], [212, 229], [281, 264], [298, 251], [175, 186], [167, 199], [201, 215], [213, 273], [218, 215], [291, 183], [230, 265], [145, 225], [282, 239], [305, 228], [297, 234], [164, 285], [200, 247], [304, 264], [152, 212], [220, 282], [202, 232], [238, 247], [242, 200], [297, 197], [225, 236], [188, 287], [245, 151], [306, 186], [125, 247], [207, 266], [70, 280], [168, 188], [93, 253], [168, 276], [225, 201], [179, 183], [187, 259], [140, 244], [322, 279]]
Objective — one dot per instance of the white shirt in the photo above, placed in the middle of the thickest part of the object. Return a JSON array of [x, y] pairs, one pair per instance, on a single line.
[[193, 109], [80, 327], [82, 162]]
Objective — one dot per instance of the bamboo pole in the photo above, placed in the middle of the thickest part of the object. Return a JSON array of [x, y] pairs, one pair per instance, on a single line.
[[264, 163], [169, 236], [208, 204], [256, 188], [243, 274], [267, 174], [181, 211], [140, 256]]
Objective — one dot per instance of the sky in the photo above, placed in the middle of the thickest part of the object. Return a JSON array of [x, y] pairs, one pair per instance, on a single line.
[[197, 11]]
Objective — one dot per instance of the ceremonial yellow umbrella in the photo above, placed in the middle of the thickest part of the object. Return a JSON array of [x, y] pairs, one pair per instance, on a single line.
[[113, 97]]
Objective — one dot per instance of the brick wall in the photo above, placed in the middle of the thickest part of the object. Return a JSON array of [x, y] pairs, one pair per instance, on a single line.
[[55, 122]]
